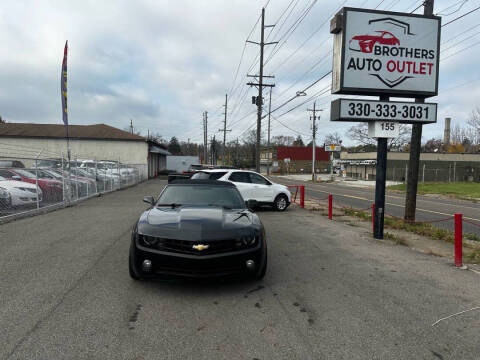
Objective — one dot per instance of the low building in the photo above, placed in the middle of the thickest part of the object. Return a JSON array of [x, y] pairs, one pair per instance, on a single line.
[[179, 163], [433, 166], [93, 142], [293, 159]]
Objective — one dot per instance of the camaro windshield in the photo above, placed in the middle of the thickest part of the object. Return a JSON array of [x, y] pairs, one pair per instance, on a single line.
[[207, 195]]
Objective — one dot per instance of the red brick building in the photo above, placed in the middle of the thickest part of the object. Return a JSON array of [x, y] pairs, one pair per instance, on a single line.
[[293, 159]]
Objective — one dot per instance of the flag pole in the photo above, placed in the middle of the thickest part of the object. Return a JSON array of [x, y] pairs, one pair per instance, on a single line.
[[63, 89]]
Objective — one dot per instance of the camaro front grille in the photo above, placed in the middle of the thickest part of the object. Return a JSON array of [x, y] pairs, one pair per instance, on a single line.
[[192, 247]]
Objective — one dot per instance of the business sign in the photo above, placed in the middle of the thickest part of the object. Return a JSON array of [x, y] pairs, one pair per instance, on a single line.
[[372, 110], [333, 148], [381, 52], [383, 129]]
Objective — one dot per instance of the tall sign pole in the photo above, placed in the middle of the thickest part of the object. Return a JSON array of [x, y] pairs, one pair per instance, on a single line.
[[380, 182], [415, 149]]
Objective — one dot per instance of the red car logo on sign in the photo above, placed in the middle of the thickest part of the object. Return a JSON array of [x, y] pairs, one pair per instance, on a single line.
[[367, 42]]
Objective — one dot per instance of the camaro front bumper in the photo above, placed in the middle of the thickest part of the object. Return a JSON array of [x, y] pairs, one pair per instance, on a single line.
[[197, 265]]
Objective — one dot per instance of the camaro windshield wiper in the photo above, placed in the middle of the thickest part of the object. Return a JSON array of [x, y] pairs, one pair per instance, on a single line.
[[172, 205]]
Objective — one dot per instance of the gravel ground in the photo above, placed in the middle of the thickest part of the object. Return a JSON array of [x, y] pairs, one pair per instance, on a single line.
[[329, 293]]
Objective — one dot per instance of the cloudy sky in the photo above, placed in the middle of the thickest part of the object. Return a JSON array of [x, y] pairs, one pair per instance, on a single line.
[[163, 62]]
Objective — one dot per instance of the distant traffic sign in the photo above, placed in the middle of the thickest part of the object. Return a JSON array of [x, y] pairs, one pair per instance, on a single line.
[[372, 110], [333, 148]]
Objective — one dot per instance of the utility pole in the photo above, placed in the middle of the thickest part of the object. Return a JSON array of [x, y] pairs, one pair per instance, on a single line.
[[314, 133], [415, 148], [131, 126], [236, 153], [224, 130], [268, 138], [205, 137], [260, 85]]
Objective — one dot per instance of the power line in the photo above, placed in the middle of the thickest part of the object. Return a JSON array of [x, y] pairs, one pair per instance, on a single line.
[[459, 42], [288, 33], [461, 16], [461, 50], [381, 2], [418, 7], [459, 34], [302, 91], [463, 2]]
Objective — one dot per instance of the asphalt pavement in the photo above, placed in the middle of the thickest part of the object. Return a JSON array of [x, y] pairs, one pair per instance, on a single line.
[[429, 208], [330, 292]]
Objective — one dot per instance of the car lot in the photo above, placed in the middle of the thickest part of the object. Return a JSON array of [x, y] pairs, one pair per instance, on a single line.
[[329, 293]]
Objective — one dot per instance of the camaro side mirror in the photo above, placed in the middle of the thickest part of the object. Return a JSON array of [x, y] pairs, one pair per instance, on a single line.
[[149, 200], [251, 204]]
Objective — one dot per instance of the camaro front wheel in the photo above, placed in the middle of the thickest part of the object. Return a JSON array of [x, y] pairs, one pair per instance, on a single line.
[[131, 265]]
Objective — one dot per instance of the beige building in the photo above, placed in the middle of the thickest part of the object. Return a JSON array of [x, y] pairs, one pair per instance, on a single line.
[[87, 142], [433, 166]]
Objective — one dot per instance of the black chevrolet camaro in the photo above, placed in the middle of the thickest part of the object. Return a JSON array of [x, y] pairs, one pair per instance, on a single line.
[[198, 228]]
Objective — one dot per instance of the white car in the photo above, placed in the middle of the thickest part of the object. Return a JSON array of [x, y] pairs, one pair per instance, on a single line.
[[15, 193], [252, 186]]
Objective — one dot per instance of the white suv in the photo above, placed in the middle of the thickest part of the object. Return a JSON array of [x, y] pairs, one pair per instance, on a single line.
[[252, 186]]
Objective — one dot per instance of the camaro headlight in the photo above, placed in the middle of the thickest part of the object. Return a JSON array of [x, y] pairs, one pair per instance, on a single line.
[[4, 193], [148, 240], [248, 240]]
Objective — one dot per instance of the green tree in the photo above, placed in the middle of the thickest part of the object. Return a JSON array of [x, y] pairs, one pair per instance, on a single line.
[[2, 121], [174, 146]]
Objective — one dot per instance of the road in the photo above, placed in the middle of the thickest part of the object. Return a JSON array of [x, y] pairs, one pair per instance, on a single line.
[[428, 208], [331, 292]]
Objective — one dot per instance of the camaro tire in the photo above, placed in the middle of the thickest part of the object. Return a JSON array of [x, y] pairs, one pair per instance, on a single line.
[[280, 203], [261, 273], [131, 265]]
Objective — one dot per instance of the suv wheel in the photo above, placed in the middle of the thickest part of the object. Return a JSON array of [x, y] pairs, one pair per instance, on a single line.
[[280, 203]]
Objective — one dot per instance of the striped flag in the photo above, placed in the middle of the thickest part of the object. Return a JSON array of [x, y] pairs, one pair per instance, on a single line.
[[63, 86]]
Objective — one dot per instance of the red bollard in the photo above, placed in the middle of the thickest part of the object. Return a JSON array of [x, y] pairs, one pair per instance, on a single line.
[[302, 196], [330, 206], [373, 217], [458, 240]]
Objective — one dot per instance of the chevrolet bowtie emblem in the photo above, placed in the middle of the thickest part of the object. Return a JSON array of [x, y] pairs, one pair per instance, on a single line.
[[200, 247]]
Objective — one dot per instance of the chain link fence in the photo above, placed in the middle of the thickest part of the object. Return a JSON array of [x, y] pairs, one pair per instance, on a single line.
[[429, 171], [29, 185]]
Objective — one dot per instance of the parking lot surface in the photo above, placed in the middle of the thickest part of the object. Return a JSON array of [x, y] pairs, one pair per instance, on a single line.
[[329, 293]]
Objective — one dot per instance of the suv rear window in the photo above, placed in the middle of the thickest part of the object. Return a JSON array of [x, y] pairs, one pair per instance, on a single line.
[[241, 177], [208, 176]]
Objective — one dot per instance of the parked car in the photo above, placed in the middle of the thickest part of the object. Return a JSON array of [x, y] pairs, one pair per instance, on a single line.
[[52, 189], [198, 228], [11, 164], [251, 185], [15, 193]]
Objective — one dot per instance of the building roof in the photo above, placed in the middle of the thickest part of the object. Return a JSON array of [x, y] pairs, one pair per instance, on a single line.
[[57, 131]]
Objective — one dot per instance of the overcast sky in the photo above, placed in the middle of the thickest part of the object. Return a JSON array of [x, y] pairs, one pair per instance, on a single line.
[[163, 62]]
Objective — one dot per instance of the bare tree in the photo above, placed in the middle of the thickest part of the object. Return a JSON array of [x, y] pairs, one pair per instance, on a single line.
[[282, 140], [473, 124], [333, 139], [359, 133]]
